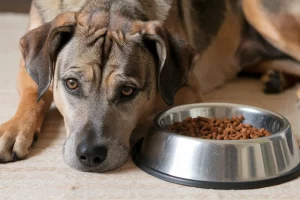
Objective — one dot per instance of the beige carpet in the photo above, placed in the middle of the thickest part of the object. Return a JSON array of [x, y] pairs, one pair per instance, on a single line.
[[44, 175]]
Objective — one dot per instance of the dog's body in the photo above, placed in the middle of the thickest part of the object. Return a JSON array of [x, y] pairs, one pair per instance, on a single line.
[[192, 25], [93, 47]]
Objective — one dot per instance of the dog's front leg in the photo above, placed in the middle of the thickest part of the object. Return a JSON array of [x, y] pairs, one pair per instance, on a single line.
[[17, 134]]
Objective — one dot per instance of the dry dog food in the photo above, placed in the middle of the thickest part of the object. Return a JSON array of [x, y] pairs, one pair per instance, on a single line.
[[218, 129]]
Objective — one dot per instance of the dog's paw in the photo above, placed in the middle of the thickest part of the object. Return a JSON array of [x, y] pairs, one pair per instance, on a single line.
[[273, 82], [16, 137]]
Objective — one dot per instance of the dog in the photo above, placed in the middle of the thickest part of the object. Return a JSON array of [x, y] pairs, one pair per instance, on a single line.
[[111, 65]]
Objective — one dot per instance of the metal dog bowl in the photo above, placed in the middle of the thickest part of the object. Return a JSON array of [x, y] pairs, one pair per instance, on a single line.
[[220, 164]]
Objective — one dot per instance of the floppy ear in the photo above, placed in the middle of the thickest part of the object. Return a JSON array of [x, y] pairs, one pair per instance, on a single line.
[[175, 59], [41, 46]]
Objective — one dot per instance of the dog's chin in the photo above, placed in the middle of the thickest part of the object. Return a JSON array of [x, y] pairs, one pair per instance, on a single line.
[[117, 155]]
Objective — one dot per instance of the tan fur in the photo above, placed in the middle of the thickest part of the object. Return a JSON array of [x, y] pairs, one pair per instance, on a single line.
[[220, 55], [174, 24], [17, 134], [285, 66], [281, 29]]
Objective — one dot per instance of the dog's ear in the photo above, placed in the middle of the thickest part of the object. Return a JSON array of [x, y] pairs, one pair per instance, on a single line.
[[175, 59], [41, 46]]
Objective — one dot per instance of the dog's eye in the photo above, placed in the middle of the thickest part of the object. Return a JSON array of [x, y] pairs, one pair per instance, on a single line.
[[72, 84], [127, 91]]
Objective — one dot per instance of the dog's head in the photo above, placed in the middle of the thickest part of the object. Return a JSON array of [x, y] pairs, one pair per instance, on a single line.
[[105, 74]]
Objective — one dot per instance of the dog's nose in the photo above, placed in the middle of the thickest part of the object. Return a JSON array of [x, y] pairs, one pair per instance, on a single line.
[[91, 156]]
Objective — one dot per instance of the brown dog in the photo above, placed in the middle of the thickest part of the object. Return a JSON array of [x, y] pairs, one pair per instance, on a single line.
[[111, 64]]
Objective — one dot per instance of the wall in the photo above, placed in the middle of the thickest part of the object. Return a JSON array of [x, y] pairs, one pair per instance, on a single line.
[[20, 6]]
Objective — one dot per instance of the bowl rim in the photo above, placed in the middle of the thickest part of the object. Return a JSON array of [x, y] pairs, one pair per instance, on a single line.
[[197, 105]]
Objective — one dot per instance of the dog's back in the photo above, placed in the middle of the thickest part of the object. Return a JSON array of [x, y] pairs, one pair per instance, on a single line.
[[214, 28], [229, 42]]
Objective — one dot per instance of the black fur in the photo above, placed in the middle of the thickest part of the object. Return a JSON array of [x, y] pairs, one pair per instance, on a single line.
[[254, 48], [274, 84], [210, 15]]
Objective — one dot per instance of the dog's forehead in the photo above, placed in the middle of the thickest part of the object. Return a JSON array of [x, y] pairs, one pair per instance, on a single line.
[[95, 19], [75, 57], [99, 34], [112, 18]]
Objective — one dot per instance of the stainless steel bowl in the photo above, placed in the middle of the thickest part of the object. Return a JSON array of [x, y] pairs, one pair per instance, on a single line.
[[233, 164]]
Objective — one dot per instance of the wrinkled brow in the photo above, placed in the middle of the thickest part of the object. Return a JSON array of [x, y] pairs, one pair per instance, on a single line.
[[87, 73]]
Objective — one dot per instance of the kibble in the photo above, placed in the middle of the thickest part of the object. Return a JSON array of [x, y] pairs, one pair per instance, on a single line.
[[218, 129]]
